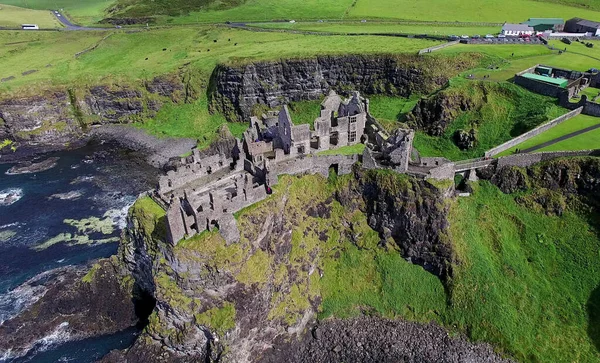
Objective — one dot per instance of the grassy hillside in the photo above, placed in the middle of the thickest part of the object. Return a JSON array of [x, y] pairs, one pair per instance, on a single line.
[[13, 17], [210, 11], [525, 281], [81, 11], [497, 11], [500, 111]]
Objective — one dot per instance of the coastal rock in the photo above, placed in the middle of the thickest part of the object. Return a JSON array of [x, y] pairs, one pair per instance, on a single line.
[[372, 339], [218, 302], [237, 91], [78, 306], [31, 167], [58, 118]]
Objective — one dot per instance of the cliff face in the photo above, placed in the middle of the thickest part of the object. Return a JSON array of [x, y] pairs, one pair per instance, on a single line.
[[554, 183], [408, 212], [237, 90], [216, 302], [59, 117]]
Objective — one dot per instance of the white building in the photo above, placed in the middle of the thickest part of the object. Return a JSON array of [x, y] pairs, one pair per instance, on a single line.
[[517, 29]]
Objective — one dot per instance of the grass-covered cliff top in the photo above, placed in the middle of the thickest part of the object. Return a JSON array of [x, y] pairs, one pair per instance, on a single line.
[[194, 11], [525, 281]]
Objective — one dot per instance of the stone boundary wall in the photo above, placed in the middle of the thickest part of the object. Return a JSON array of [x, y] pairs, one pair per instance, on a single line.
[[443, 172], [438, 47], [78, 54], [591, 108], [525, 160], [317, 164], [536, 131], [539, 87]]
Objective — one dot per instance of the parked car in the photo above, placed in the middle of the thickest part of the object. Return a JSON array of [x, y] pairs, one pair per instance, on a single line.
[[464, 37], [501, 36], [454, 37], [292, 21], [476, 36], [489, 36]]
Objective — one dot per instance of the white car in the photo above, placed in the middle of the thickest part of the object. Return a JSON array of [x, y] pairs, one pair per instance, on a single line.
[[464, 37], [501, 36], [489, 36], [292, 21]]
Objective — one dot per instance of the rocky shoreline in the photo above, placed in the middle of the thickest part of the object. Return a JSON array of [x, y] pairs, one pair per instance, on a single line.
[[33, 167]]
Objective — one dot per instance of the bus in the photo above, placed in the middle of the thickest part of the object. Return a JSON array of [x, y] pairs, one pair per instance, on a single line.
[[30, 27]]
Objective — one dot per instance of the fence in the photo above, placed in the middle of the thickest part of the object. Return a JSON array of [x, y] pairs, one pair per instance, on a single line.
[[438, 47]]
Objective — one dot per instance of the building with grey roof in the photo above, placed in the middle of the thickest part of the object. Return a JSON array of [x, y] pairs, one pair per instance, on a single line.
[[578, 25], [517, 29]]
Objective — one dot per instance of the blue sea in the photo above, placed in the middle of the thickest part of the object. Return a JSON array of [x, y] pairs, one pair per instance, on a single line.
[[66, 216]]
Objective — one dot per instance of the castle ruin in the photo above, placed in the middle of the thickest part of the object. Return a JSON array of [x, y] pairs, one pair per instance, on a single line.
[[207, 187]]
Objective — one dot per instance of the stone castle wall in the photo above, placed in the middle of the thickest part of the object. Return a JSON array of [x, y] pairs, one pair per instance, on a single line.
[[525, 160]]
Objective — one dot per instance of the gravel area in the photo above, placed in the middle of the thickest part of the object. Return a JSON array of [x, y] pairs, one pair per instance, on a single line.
[[158, 150]]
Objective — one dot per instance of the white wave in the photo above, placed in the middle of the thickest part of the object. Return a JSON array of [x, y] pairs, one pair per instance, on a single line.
[[5, 226], [15, 301], [10, 196], [82, 179], [59, 335], [119, 216]]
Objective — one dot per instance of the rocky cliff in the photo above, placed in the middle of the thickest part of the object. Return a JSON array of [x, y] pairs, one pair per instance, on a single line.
[[59, 117], [72, 300], [237, 90], [242, 302], [553, 184]]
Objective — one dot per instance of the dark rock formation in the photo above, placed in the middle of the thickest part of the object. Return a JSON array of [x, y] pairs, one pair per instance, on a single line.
[[434, 114], [568, 177], [33, 167], [408, 212], [59, 118], [237, 90], [371, 339], [74, 307], [465, 140]]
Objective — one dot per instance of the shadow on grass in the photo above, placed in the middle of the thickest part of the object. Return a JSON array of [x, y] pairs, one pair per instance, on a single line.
[[593, 311]]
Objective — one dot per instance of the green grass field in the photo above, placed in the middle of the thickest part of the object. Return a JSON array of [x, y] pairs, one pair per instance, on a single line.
[[123, 56], [588, 141], [80, 11], [210, 11], [13, 17], [373, 27], [390, 111], [576, 123], [497, 11], [526, 56]]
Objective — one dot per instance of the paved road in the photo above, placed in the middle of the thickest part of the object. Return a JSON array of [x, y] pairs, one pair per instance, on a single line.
[[559, 139], [69, 25]]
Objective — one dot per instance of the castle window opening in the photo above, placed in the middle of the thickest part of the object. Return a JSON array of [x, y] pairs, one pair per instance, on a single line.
[[353, 119], [352, 136], [301, 149]]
